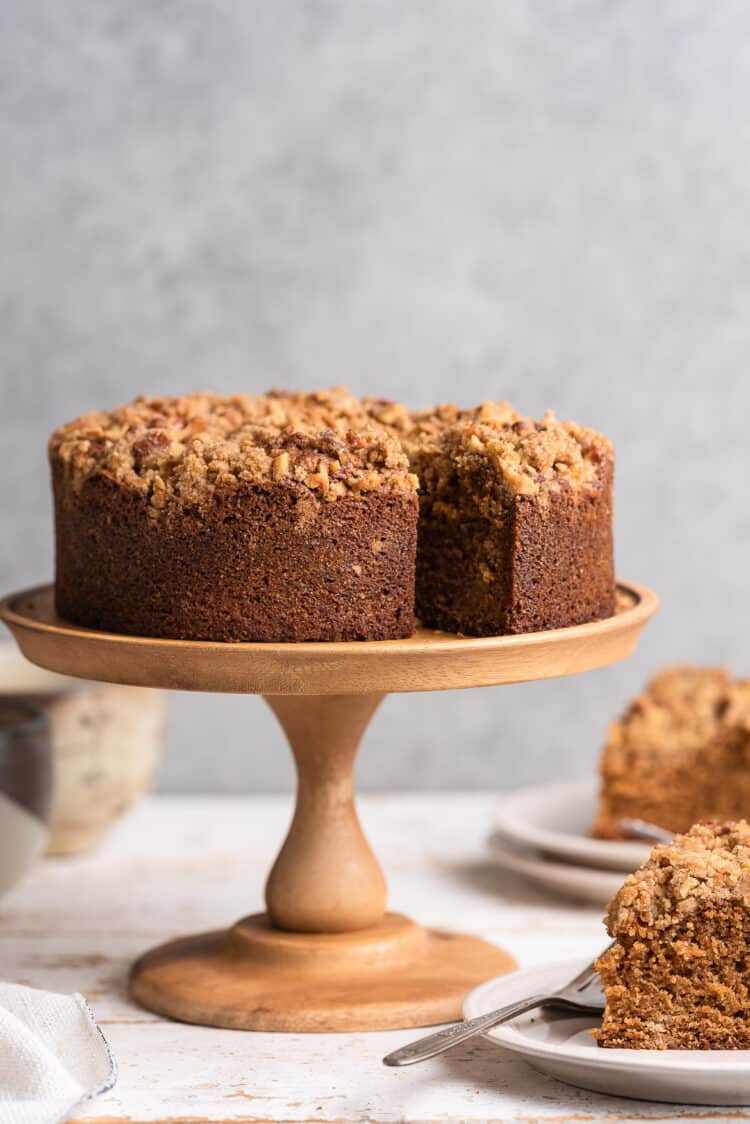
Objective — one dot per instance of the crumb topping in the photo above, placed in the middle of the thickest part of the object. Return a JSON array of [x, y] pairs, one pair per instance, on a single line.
[[420, 430], [185, 448], [428, 427], [527, 455], [329, 441], [709, 864], [683, 709], [335, 408], [393, 415]]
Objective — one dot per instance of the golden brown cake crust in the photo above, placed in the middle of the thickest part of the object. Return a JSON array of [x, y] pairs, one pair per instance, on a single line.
[[263, 562], [676, 977], [679, 754]]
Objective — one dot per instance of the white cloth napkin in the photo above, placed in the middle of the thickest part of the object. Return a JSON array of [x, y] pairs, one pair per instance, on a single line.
[[53, 1056]]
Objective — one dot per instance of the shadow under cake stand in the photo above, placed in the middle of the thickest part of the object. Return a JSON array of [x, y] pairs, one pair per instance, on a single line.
[[326, 955]]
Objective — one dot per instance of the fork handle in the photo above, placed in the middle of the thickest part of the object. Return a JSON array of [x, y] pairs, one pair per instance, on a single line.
[[442, 1040]]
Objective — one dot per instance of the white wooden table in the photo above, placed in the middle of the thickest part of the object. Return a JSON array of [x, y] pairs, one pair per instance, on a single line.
[[183, 864]]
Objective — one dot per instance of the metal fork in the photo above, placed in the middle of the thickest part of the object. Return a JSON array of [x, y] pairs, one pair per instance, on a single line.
[[584, 993], [648, 832]]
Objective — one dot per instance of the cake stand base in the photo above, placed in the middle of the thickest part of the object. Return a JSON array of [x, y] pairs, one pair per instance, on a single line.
[[255, 977]]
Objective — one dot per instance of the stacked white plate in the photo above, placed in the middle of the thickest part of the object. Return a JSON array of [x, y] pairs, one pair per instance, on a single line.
[[543, 833]]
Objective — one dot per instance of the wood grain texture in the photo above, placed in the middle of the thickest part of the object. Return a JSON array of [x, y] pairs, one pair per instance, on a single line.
[[326, 957], [255, 977], [326, 878], [427, 661]]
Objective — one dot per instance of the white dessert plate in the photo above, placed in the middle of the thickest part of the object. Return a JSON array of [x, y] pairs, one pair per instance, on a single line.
[[560, 1045], [556, 819], [584, 883]]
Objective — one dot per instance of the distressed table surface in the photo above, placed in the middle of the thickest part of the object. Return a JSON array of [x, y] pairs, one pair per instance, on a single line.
[[179, 864]]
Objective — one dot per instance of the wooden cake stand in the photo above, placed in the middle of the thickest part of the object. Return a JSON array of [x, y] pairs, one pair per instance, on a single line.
[[326, 955]]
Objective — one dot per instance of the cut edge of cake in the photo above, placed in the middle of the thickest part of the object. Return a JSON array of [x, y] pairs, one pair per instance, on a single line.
[[515, 527], [676, 976]]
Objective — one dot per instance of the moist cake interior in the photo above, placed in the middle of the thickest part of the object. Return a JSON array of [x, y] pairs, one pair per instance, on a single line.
[[678, 976]]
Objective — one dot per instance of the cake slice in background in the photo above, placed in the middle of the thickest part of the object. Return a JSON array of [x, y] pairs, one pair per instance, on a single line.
[[677, 975], [679, 754]]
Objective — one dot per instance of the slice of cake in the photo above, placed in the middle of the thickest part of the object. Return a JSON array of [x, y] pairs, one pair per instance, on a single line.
[[680, 753], [515, 530], [677, 975], [235, 518]]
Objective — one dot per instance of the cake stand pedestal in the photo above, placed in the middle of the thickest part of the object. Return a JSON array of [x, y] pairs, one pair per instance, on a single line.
[[326, 955]]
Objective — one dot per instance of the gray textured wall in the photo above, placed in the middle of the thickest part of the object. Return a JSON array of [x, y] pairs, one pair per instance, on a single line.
[[545, 202]]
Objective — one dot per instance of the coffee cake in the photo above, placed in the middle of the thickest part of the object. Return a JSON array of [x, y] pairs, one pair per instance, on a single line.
[[293, 516], [677, 975]]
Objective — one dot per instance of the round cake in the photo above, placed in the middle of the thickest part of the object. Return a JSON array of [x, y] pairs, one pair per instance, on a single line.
[[294, 516]]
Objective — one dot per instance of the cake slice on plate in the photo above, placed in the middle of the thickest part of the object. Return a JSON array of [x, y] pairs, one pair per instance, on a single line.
[[678, 975]]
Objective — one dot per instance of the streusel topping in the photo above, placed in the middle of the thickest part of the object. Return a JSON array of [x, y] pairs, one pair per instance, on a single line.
[[710, 863], [335, 408], [427, 427], [527, 454], [421, 430], [326, 440], [682, 709], [185, 448]]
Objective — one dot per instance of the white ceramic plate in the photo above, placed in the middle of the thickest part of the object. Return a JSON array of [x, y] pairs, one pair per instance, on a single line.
[[556, 819], [586, 884], [561, 1046]]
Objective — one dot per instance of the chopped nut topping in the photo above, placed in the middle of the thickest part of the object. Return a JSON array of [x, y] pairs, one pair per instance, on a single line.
[[526, 455], [183, 449], [281, 466], [708, 863], [327, 441], [320, 478]]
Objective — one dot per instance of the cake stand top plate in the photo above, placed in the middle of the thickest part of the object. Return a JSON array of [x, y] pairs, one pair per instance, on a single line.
[[427, 661]]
